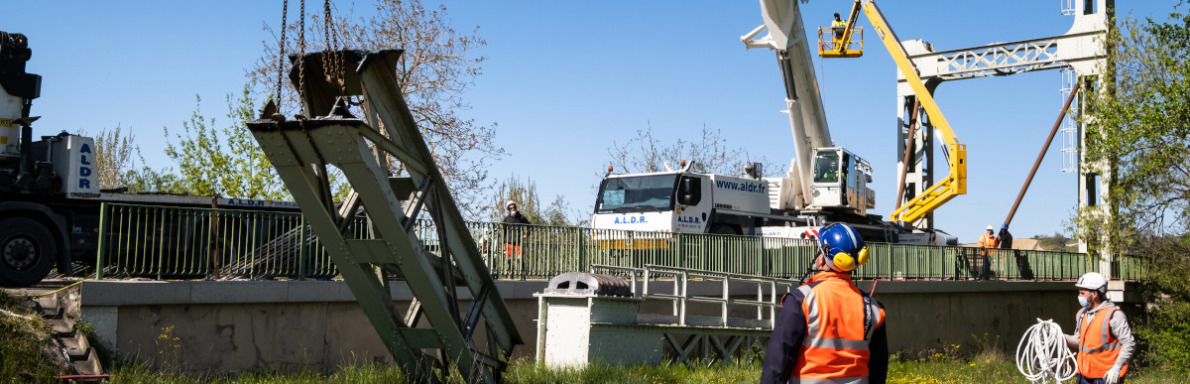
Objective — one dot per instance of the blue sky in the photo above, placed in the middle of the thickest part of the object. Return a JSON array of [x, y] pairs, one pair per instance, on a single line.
[[567, 80]]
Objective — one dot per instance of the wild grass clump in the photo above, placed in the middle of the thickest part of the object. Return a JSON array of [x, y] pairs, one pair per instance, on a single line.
[[696, 372], [978, 362], [24, 343]]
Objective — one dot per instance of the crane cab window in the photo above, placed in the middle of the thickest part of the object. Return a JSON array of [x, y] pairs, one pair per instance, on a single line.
[[826, 167]]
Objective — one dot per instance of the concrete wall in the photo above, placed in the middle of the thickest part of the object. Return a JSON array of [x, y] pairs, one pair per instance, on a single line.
[[255, 325]]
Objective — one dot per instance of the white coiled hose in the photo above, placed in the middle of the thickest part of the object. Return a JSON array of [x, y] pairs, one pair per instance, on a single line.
[[1042, 354]]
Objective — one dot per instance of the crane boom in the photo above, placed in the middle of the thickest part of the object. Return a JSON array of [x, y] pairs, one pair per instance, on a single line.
[[807, 117]]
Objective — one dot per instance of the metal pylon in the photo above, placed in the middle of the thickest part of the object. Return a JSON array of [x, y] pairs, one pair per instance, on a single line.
[[1081, 49], [303, 151]]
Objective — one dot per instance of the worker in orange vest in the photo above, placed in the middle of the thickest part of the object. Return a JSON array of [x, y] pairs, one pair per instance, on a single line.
[[988, 240], [1103, 337], [828, 331]]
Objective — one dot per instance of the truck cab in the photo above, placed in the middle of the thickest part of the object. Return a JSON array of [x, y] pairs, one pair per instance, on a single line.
[[650, 202], [681, 202]]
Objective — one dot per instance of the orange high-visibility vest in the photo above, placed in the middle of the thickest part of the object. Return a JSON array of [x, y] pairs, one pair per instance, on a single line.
[[986, 241], [840, 321], [1097, 348]]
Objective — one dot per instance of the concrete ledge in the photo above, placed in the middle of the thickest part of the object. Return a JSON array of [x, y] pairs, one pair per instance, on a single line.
[[121, 293], [917, 286]]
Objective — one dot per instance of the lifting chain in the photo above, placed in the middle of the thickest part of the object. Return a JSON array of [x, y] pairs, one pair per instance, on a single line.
[[332, 61], [281, 49], [301, 51], [302, 54]]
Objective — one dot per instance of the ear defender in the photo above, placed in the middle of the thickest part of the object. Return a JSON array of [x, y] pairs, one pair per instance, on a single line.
[[863, 256], [847, 263], [844, 261]]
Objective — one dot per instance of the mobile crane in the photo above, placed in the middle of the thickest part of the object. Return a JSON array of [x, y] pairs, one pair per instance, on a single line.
[[825, 183]]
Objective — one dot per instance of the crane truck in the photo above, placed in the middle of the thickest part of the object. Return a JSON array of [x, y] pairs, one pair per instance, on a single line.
[[50, 196], [825, 183]]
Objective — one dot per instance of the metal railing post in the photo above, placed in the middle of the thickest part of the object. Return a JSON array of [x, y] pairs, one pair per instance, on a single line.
[[303, 250], [101, 253], [760, 264], [681, 253], [160, 249], [580, 250]]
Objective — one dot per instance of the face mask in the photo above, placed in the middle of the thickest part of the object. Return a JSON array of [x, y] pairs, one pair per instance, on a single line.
[[1082, 301]]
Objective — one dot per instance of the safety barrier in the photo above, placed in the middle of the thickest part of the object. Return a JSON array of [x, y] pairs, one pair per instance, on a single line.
[[765, 304], [184, 242], [164, 242]]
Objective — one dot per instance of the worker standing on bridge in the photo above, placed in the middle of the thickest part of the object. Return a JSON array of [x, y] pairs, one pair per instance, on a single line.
[[513, 237], [828, 331], [988, 240], [1103, 337], [1005, 238]]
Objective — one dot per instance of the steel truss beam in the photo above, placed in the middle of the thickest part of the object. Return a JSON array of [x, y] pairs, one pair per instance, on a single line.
[[305, 150], [1081, 48]]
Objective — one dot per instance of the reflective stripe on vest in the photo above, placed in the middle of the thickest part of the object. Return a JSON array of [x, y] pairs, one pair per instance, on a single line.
[[1097, 355], [837, 354], [845, 380]]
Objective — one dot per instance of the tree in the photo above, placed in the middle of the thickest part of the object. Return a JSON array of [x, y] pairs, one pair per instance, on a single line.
[[435, 69], [708, 153], [116, 169], [149, 180], [524, 193], [113, 156], [223, 161], [1139, 123]]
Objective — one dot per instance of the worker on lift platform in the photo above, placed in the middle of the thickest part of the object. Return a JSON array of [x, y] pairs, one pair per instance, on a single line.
[[828, 331], [838, 27]]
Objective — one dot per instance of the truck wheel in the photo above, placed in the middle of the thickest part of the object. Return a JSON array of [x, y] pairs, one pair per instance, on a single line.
[[27, 252]]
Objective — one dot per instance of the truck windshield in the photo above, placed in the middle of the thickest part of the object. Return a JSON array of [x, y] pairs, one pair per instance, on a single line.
[[636, 194], [826, 167]]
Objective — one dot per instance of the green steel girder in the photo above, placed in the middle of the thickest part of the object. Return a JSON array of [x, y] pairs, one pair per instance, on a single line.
[[302, 151]]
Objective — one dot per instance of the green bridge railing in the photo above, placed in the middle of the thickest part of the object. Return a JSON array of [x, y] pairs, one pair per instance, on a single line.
[[202, 243]]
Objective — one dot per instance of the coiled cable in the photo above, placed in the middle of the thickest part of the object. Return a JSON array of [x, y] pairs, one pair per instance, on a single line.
[[1042, 354]]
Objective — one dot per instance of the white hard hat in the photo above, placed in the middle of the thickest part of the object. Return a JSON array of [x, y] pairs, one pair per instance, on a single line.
[[510, 202], [989, 227], [1092, 281]]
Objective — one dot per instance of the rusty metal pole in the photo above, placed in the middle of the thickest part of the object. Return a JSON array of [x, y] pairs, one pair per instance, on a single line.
[[1041, 155], [908, 152]]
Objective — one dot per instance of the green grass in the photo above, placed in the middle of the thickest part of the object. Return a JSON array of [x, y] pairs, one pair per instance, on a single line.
[[900, 372], [21, 344]]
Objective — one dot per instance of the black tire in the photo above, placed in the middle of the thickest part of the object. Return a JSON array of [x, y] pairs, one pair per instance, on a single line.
[[27, 252]]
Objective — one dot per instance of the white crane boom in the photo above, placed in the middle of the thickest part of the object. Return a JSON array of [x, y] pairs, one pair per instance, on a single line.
[[807, 117]]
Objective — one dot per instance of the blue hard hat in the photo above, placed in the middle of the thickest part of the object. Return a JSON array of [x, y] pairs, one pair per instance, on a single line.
[[1005, 226], [842, 246]]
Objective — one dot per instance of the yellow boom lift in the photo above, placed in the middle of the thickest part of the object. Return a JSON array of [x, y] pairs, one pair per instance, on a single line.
[[955, 182]]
